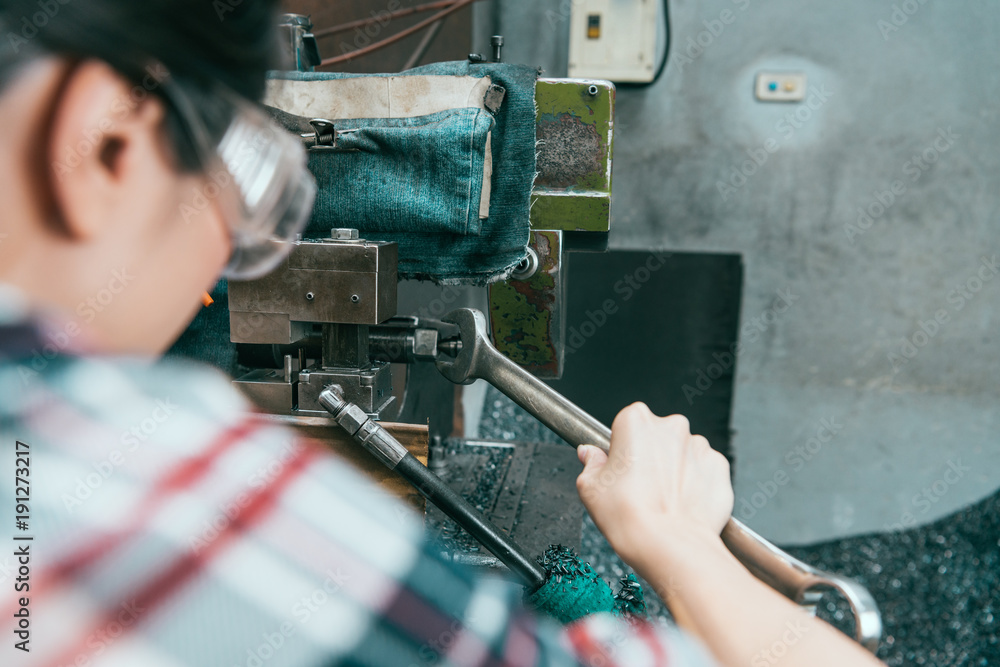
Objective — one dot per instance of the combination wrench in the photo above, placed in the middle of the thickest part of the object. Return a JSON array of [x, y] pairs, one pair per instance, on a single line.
[[478, 359]]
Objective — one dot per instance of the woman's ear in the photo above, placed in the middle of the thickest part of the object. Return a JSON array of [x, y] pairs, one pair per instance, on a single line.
[[104, 139]]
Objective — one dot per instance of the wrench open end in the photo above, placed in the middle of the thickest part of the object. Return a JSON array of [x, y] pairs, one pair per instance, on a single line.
[[479, 359], [472, 329]]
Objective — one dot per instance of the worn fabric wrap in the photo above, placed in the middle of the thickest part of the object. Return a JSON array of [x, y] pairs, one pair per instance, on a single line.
[[390, 175], [444, 256], [433, 250]]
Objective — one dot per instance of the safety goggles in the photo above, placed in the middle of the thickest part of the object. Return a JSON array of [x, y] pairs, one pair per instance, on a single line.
[[258, 175]]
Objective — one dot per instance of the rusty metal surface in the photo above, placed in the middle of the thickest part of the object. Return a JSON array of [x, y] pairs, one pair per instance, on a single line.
[[575, 133], [569, 151], [527, 317], [572, 192]]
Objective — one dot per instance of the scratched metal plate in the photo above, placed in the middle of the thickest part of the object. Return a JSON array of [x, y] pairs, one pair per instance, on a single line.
[[526, 489], [527, 317], [572, 192], [575, 134]]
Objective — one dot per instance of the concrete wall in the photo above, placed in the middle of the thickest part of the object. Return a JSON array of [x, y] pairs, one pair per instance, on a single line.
[[900, 444]]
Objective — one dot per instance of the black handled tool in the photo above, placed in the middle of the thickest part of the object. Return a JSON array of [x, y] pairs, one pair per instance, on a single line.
[[373, 437]]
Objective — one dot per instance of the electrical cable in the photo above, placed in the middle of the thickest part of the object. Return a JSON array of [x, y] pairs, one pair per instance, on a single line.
[[379, 18], [402, 34], [423, 46], [666, 52]]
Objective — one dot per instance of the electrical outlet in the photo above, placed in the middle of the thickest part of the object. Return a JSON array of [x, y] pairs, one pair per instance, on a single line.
[[780, 87]]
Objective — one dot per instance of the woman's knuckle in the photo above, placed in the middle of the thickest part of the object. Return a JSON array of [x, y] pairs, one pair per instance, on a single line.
[[679, 422], [630, 414]]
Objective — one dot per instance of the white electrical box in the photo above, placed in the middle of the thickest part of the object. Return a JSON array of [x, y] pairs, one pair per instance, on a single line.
[[614, 39]]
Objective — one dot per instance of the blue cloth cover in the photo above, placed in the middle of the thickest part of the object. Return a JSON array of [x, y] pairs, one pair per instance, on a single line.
[[452, 257], [422, 174], [448, 256]]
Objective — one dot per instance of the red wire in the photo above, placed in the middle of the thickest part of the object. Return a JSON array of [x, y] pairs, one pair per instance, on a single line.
[[361, 23], [357, 53]]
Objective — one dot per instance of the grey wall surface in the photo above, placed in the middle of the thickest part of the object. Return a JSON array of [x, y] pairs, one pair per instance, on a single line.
[[832, 435]]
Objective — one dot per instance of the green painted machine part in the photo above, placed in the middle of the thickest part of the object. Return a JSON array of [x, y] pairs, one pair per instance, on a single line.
[[527, 317], [575, 133], [572, 193]]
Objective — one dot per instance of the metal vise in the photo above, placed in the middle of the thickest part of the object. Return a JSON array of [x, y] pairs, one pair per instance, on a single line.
[[320, 303]]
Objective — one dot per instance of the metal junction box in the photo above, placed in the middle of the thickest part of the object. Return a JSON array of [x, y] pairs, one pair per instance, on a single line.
[[614, 40]]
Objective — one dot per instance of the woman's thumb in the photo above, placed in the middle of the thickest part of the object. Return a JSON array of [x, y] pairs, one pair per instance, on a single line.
[[593, 460], [591, 457]]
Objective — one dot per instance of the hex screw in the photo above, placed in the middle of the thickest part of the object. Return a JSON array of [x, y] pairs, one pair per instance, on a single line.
[[355, 298], [310, 296]]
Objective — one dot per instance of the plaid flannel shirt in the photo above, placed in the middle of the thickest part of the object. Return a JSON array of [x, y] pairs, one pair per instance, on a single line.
[[171, 525]]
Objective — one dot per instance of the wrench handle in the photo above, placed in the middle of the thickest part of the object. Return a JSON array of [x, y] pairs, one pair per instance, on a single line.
[[802, 583], [794, 579], [543, 402]]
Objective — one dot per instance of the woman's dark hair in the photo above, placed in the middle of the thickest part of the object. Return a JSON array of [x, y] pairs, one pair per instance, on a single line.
[[202, 43]]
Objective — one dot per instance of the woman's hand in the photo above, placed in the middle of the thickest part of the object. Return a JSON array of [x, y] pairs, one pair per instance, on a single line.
[[661, 497], [657, 479]]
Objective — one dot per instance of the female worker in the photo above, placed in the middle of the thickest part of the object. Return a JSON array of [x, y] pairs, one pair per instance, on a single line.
[[157, 521]]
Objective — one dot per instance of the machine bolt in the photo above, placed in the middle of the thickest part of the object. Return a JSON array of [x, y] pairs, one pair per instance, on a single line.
[[436, 456], [344, 234], [496, 41], [527, 267]]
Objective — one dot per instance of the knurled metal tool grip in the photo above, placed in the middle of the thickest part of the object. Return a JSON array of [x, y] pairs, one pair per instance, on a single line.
[[801, 583]]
